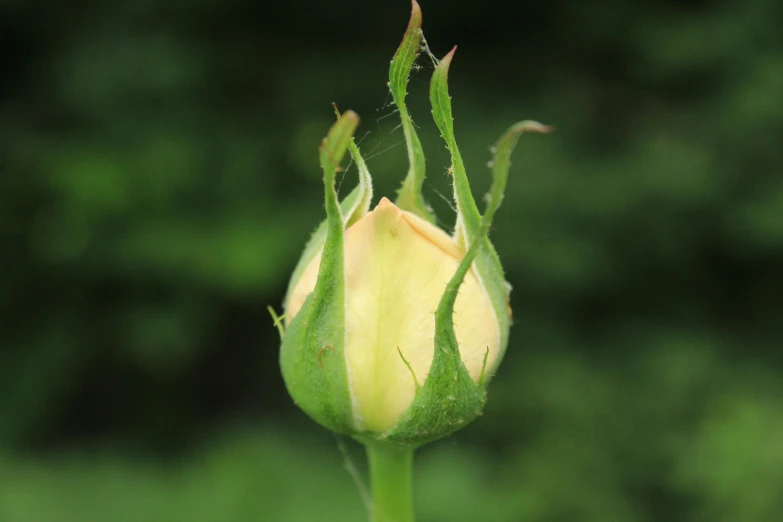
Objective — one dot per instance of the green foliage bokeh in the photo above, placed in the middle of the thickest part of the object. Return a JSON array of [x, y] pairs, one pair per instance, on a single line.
[[159, 177]]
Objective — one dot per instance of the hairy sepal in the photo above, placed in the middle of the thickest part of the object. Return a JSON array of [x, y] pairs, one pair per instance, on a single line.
[[355, 206], [409, 196], [449, 398], [487, 263], [312, 353]]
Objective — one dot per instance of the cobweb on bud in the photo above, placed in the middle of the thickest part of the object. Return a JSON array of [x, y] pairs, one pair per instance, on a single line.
[[386, 135], [426, 48]]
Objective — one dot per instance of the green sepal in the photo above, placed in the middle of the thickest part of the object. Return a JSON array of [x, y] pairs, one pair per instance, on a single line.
[[449, 399], [312, 352], [409, 196], [487, 264], [354, 207]]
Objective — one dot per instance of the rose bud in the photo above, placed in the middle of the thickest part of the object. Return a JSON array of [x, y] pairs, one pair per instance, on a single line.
[[393, 328]]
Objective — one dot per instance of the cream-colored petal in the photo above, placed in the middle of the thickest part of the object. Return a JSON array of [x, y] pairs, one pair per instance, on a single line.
[[397, 267]]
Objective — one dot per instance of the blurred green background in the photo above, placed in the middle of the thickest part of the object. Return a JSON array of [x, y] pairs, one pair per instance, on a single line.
[[159, 178]]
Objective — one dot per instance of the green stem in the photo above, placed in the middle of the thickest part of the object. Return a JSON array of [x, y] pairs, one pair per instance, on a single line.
[[391, 473]]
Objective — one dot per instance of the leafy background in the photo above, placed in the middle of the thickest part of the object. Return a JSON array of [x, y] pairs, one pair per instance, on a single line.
[[159, 178]]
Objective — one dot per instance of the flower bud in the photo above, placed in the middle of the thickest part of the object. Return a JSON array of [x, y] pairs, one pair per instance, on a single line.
[[393, 328]]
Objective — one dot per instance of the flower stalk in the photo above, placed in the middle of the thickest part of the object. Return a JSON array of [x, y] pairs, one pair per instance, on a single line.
[[391, 482]]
